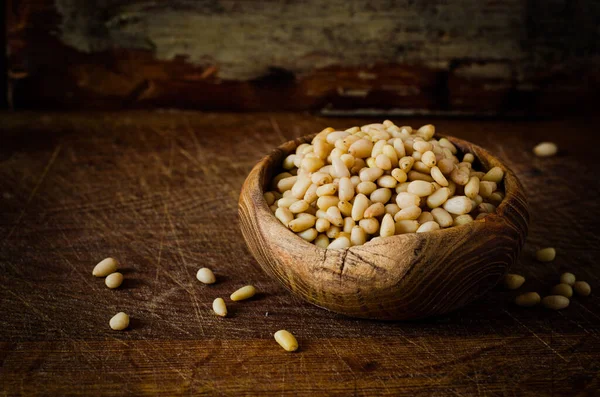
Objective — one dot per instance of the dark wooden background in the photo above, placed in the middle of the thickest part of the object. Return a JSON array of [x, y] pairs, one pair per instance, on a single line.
[[159, 190], [526, 57]]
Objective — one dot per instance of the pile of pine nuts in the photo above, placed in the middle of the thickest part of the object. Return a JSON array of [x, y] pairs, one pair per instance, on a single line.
[[349, 187]]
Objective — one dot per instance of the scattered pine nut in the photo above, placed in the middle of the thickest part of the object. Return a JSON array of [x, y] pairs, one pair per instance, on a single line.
[[545, 149], [114, 280], [545, 254], [568, 278], [582, 288], [119, 322], [206, 276], [528, 299], [243, 293], [563, 289], [286, 340], [105, 267], [555, 302], [219, 307], [513, 281]]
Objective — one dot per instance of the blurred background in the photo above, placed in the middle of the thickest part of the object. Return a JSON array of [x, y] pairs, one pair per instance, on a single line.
[[357, 57]]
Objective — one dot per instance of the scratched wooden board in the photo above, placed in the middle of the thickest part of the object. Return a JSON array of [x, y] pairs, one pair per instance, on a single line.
[[434, 56], [159, 192]]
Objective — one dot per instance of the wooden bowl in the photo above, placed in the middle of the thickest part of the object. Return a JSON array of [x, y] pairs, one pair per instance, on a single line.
[[400, 277]]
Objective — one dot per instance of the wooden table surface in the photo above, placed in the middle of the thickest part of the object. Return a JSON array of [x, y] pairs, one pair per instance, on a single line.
[[159, 192]]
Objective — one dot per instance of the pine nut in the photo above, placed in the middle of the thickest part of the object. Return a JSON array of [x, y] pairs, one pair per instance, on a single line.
[[494, 175], [286, 183], [513, 281], [472, 187], [361, 203], [459, 177], [381, 195], [406, 226], [284, 215], [399, 175], [345, 208], [286, 202], [582, 288], [419, 176], [447, 144], [486, 188], [406, 163], [329, 189], [388, 227], [322, 225], [446, 166], [468, 158], [545, 254], [361, 148], [299, 206], [406, 199], [420, 188], [340, 242], [568, 278], [366, 188], [426, 131], [300, 224], [555, 302], [311, 194], [327, 201], [562, 289], [374, 210], [382, 161], [387, 181], [442, 217], [458, 205], [219, 307], [333, 232], [428, 227], [113, 280], [105, 267], [308, 234], [528, 299], [408, 213], [286, 340], [243, 293], [119, 321], [425, 216], [421, 146], [348, 224], [322, 241], [462, 220], [438, 176], [486, 207], [369, 225], [428, 158], [438, 197], [545, 149], [391, 154], [339, 168], [370, 174], [392, 209], [358, 236], [206, 276], [335, 216]]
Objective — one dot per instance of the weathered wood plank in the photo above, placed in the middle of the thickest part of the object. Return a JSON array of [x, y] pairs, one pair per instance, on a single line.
[[159, 192]]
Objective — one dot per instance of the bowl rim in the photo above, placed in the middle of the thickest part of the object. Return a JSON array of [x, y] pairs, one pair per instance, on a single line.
[[510, 181]]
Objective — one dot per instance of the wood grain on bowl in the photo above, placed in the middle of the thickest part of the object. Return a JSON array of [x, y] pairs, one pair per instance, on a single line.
[[400, 277]]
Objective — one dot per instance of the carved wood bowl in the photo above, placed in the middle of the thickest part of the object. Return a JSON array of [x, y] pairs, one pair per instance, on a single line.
[[401, 277]]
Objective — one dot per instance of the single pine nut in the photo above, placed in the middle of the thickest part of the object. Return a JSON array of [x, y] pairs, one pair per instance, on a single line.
[[369, 225], [243, 293], [494, 175], [399, 175], [308, 234], [105, 267], [370, 174], [428, 158], [555, 302], [438, 197], [545, 254], [459, 177], [408, 213], [340, 242], [426, 131], [348, 159], [513, 281], [348, 224], [390, 152], [387, 181], [286, 202], [345, 208], [406, 163], [300, 224], [377, 148], [325, 202], [334, 216], [312, 164], [284, 215], [447, 144], [346, 189], [382, 161], [361, 203], [361, 148], [358, 236], [206, 276], [462, 220], [119, 321], [321, 178], [392, 209], [381, 195], [528, 299], [582, 288], [374, 210], [438, 176], [425, 216], [446, 166], [339, 168], [406, 226], [419, 176], [286, 340], [329, 189], [562, 289], [442, 217], [468, 158], [419, 166], [366, 188], [286, 183], [420, 188], [311, 194], [322, 225], [406, 199], [322, 241], [388, 227], [545, 149], [472, 187], [428, 227], [568, 278], [486, 207], [421, 146], [458, 205], [113, 280], [299, 206], [486, 188], [219, 307]]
